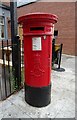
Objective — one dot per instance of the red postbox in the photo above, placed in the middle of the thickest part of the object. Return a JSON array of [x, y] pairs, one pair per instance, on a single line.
[[37, 34]]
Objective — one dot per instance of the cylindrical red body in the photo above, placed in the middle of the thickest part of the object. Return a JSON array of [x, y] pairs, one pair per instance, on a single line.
[[38, 31]]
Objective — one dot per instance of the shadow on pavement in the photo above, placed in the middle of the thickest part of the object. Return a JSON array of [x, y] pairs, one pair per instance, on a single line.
[[59, 69]]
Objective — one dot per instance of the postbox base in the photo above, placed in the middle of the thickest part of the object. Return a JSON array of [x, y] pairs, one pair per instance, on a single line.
[[38, 97]]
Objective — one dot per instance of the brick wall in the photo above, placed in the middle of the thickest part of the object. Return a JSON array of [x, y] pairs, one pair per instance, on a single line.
[[6, 2], [66, 21]]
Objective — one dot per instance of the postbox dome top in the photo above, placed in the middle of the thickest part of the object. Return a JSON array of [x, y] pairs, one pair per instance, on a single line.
[[38, 15]]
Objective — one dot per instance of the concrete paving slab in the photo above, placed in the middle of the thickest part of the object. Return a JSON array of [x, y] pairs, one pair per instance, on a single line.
[[69, 61], [1, 115], [32, 111], [62, 97], [56, 93], [45, 112], [66, 114], [14, 112], [20, 102], [64, 80], [68, 110], [10, 110]]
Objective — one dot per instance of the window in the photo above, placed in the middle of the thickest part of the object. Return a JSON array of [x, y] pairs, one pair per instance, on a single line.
[[2, 34], [55, 32]]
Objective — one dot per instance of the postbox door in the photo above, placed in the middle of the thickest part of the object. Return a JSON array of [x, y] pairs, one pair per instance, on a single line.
[[37, 50]]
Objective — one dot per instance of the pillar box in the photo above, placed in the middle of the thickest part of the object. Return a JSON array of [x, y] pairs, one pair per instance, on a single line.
[[37, 35]]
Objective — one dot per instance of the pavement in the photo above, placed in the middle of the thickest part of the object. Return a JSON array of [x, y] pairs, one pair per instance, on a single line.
[[62, 96]]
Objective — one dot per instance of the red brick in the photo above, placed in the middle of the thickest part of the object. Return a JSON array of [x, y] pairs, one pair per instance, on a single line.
[[66, 21]]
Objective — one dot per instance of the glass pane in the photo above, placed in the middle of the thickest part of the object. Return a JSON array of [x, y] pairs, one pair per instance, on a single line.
[[2, 34], [1, 20], [1, 31]]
